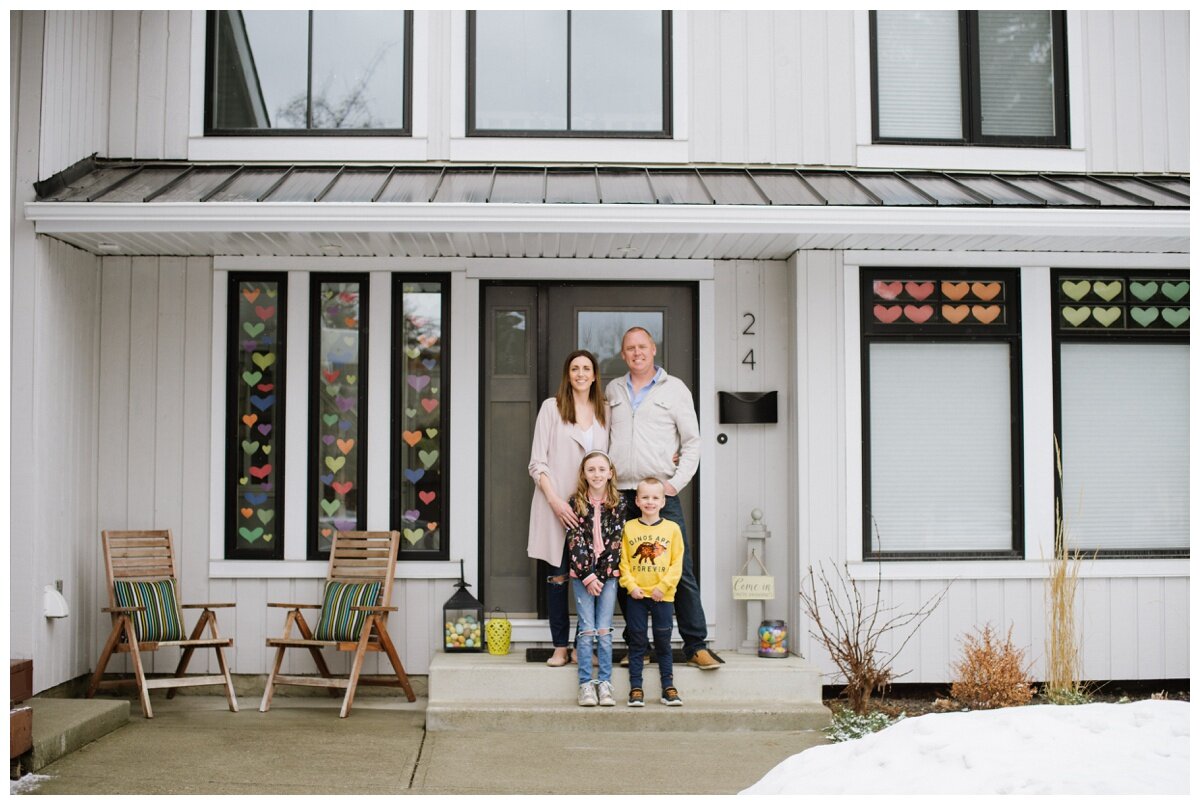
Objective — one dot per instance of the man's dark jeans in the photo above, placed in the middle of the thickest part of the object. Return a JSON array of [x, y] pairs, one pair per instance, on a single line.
[[689, 612]]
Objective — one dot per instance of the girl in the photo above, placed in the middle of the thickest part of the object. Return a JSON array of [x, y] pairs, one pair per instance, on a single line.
[[594, 545]]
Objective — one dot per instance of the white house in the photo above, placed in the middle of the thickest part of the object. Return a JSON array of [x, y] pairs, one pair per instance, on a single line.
[[275, 273]]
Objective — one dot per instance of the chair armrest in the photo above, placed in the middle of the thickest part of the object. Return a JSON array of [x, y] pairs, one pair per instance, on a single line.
[[115, 610], [375, 609], [205, 606], [295, 606]]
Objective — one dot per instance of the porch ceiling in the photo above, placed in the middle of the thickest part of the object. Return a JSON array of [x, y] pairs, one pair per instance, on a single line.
[[586, 212]]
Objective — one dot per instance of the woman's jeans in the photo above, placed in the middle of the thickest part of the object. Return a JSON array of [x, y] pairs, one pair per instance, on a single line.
[[556, 602], [595, 614], [659, 613]]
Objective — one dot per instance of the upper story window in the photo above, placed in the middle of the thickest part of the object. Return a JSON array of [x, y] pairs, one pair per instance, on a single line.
[[309, 72], [969, 77], [569, 73]]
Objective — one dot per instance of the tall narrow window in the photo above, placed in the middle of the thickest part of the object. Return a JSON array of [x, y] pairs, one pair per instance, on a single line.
[[337, 408], [569, 73], [941, 407], [969, 77], [254, 416], [1122, 415], [420, 394], [309, 72]]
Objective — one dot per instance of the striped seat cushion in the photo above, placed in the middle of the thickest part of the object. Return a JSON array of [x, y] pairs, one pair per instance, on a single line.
[[338, 620], [160, 619]]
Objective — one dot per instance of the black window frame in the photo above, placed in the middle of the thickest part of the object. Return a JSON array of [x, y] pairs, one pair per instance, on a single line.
[[1009, 333], [233, 418], [210, 66], [1061, 335], [665, 133], [314, 389], [398, 445], [969, 72]]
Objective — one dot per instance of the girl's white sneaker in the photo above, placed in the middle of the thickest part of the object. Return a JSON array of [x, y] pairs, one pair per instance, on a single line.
[[587, 695], [604, 695]]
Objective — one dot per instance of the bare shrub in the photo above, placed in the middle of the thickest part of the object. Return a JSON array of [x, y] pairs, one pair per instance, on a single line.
[[991, 674], [850, 625], [1064, 665]]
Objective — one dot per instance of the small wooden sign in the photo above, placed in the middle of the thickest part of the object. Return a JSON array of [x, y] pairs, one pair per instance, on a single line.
[[753, 588]]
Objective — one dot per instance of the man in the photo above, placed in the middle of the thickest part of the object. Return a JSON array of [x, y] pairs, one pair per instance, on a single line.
[[652, 419]]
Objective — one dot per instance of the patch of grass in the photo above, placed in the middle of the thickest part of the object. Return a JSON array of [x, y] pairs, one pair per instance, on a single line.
[[848, 725]]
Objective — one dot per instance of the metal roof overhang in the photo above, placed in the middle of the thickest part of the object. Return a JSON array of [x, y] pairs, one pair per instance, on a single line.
[[593, 230]]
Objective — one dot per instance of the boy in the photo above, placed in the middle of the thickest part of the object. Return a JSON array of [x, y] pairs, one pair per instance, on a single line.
[[651, 566]]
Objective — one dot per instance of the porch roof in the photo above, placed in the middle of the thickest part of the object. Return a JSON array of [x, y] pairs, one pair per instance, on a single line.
[[180, 208]]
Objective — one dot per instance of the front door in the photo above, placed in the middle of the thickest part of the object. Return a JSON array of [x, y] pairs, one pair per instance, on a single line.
[[528, 331]]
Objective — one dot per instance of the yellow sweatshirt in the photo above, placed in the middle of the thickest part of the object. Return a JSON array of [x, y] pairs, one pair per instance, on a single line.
[[651, 556]]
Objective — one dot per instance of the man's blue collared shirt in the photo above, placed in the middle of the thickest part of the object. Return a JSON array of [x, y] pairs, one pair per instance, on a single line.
[[636, 399]]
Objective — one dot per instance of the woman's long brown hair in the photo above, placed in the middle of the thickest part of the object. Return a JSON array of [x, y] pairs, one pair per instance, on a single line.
[[566, 396]]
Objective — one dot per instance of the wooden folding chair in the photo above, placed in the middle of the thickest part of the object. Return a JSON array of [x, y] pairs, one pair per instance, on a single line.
[[143, 601], [354, 613]]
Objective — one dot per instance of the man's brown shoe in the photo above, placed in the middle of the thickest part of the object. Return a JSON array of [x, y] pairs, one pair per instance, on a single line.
[[704, 661]]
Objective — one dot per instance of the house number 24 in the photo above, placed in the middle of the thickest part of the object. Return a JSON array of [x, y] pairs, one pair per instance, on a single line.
[[748, 360]]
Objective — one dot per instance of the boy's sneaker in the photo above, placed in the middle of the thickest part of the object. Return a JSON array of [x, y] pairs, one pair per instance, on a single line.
[[704, 660], [587, 695], [670, 697], [637, 698], [604, 696]]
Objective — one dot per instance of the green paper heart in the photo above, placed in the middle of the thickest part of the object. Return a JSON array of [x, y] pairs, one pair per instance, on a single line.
[[329, 419], [410, 412], [413, 535], [254, 329], [332, 391], [335, 463], [351, 379], [268, 537], [266, 515], [243, 481], [330, 506], [1175, 290], [1076, 290], [263, 360], [250, 534], [413, 352], [431, 432], [1106, 316], [1143, 290], [1076, 315], [250, 447], [428, 457], [251, 378], [266, 449], [1144, 316], [272, 292], [1107, 291], [434, 389], [1175, 316]]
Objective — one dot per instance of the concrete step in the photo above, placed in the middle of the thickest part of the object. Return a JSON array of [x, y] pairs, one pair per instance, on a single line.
[[505, 693], [60, 726]]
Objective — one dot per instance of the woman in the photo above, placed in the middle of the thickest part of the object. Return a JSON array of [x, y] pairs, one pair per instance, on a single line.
[[569, 425]]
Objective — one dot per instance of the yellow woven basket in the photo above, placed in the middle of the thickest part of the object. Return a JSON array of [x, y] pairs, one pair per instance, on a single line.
[[499, 633]]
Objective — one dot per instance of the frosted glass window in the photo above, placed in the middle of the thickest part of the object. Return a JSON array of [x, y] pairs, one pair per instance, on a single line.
[[920, 84], [1125, 445], [940, 447], [1016, 73]]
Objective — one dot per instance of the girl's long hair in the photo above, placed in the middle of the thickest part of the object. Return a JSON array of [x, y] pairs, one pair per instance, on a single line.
[[612, 496], [566, 396]]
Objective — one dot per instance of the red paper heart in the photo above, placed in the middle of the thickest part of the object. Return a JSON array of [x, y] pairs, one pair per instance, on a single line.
[[342, 487], [330, 376], [429, 405], [261, 472], [264, 387], [427, 497], [919, 315], [887, 315], [265, 313], [887, 290], [918, 290]]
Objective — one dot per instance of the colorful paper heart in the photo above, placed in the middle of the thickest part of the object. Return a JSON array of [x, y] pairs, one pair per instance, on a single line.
[[1175, 316], [264, 313], [249, 346], [266, 515], [264, 429], [1107, 291], [427, 341], [330, 375], [955, 290], [335, 463], [414, 475], [328, 438], [333, 390], [250, 419], [413, 535], [329, 419], [428, 457], [1076, 290], [1175, 291], [429, 405], [326, 532], [918, 290], [326, 479], [261, 472], [1076, 315], [431, 433], [431, 526], [330, 506], [411, 437], [418, 382], [887, 290], [254, 329], [266, 487], [257, 498], [351, 379], [986, 315], [247, 513], [1143, 290], [887, 315], [250, 447], [344, 525], [1106, 316], [262, 403], [251, 294], [344, 425], [345, 445], [413, 352], [411, 515], [1144, 316], [427, 497], [986, 291], [955, 313], [265, 387], [266, 449], [251, 535], [342, 487], [263, 359], [344, 404], [272, 292], [918, 314]]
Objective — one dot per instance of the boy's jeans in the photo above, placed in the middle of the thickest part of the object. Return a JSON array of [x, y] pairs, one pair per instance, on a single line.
[[594, 627], [660, 614]]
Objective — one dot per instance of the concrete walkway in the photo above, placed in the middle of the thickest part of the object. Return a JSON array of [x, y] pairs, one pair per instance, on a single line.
[[194, 745]]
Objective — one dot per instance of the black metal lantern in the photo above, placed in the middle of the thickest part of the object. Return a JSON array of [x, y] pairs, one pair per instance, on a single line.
[[462, 619]]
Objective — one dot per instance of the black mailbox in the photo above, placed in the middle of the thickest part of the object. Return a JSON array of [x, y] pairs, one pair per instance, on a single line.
[[748, 407]]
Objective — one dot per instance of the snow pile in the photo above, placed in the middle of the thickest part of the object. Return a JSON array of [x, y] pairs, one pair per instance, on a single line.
[[27, 784], [1138, 748]]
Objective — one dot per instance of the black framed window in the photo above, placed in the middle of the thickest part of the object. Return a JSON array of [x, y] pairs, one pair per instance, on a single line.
[[254, 419], [569, 73], [1121, 410], [309, 72], [338, 334], [420, 399], [941, 406], [969, 77]]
